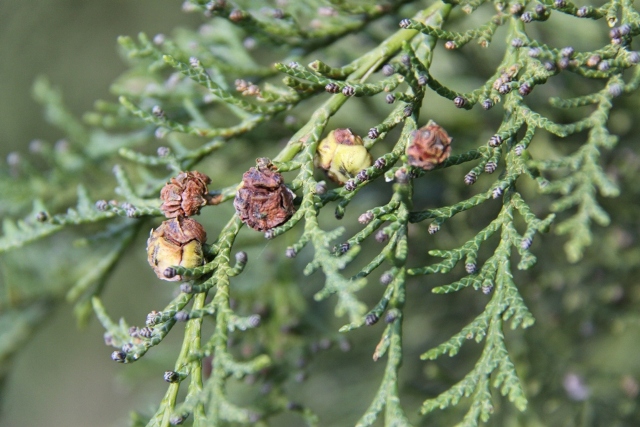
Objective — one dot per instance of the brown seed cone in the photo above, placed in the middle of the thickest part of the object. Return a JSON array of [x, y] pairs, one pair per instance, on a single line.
[[176, 242], [185, 194], [263, 201], [430, 146]]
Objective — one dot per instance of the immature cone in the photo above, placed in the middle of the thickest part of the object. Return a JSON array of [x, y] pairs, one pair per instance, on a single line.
[[177, 242], [263, 201], [342, 154], [185, 194], [430, 145]]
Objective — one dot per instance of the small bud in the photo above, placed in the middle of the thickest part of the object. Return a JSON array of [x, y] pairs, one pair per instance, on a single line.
[[348, 91], [504, 89], [332, 88], [42, 216], [526, 243], [161, 132], [406, 60], [402, 176], [563, 63], [624, 29], [290, 252], [388, 70], [487, 104], [186, 288], [450, 45], [321, 187], [108, 339], [470, 178], [516, 9], [423, 79], [634, 57], [616, 41], [391, 316], [157, 111], [614, 33], [525, 89], [194, 62], [495, 140], [470, 268], [133, 331], [616, 89], [604, 66], [373, 133], [102, 205], [366, 217], [277, 13], [540, 9], [534, 52], [390, 98], [158, 39], [582, 12], [559, 4], [459, 101], [118, 356], [362, 176], [344, 248], [145, 332], [152, 318], [241, 257], [490, 167], [269, 234], [371, 319], [175, 420], [170, 273], [497, 192], [433, 228], [350, 185], [171, 377], [386, 278], [517, 42], [593, 60], [380, 163], [526, 17], [487, 288], [381, 236], [408, 110], [518, 149], [181, 316], [236, 15], [405, 23], [127, 348], [163, 151], [567, 51]]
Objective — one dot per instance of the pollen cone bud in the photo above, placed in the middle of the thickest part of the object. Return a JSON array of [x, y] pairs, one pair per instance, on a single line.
[[342, 155], [177, 242], [185, 194], [430, 145]]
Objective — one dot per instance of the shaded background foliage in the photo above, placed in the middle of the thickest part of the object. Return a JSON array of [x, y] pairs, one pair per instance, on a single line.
[[586, 313]]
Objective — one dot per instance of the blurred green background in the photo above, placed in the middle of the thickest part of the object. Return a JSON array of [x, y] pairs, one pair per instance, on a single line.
[[64, 377]]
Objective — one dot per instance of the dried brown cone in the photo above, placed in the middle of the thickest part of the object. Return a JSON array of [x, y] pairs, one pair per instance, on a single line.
[[430, 146], [263, 201], [185, 194], [176, 242]]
